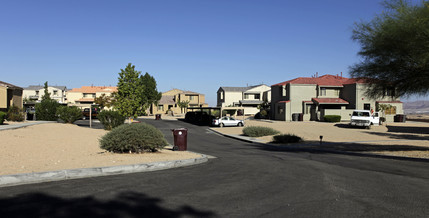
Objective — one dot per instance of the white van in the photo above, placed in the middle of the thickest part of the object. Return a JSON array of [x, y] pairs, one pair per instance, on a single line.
[[364, 118]]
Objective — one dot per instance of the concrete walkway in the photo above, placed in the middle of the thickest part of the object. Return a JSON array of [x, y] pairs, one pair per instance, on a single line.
[[28, 178]]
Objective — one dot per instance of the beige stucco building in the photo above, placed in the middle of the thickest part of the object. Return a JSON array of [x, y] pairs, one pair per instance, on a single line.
[[170, 99], [247, 97], [315, 97], [10, 95], [35, 93], [84, 97]]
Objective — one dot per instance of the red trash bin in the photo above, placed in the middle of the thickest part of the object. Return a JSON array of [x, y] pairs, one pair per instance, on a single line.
[[180, 139]]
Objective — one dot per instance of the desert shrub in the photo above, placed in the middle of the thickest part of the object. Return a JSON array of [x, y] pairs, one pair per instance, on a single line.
[[225, 112], [286, 138], [110, 119], [46, 110], [258, 131], [15, 114], [2, 117], [263, 114], [135, 137], [332, 118], [69, 114]]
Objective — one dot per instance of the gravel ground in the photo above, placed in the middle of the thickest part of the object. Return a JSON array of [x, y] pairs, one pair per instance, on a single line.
[[410, 139], [56, 146]]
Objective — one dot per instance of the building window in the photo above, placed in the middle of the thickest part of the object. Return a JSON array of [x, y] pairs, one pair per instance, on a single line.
[[246, 96], [55, 92], [337, 92], [282, 90], [191, 97], [160, 107], [322, 91], [390, 92], [258, 96], [88, 95], [37, 93]]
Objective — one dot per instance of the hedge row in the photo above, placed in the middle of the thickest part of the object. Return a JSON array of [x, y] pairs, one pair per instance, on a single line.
[[258, 131], [332, 118]]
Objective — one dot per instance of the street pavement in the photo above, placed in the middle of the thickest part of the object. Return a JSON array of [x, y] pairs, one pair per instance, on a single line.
[[243, 180]]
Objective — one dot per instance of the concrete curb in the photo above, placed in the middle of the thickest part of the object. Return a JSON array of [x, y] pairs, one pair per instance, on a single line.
[[29, 178], [302, 148], [21, 125]]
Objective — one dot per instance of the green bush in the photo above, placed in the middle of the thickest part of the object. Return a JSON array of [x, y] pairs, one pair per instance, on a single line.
[[69, 114], [135, 137], [286, 138], [2, 117], [258, 131], [110, 119], [15, 114], [332, 118], [46, 110]]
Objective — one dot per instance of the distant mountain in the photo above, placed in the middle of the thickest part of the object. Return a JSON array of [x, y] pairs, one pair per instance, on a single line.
[[416, 107]]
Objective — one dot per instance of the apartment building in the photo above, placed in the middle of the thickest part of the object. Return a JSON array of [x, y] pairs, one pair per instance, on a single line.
[[315, 97], [10, 95], [170, 101], [34, 93], [83, 97], [248, 97]]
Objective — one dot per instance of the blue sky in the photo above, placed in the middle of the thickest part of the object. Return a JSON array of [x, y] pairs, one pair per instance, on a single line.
[[196, 45]]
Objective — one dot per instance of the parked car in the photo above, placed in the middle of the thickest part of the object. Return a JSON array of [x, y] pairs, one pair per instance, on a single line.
[[198, 117], [94, 113], [364, 118], [227, 121]]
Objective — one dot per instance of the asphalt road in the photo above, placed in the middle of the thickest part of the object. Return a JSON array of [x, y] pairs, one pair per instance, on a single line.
[[244, 180]]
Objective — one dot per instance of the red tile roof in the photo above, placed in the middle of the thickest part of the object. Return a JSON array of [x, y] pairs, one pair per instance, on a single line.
[[325, 80], [95, 89], [329, 101]]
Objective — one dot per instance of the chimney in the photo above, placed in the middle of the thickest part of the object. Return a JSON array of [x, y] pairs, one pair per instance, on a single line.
[[317, 74], [341, 74]]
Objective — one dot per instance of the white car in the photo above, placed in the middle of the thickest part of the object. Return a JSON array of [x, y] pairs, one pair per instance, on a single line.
[[227, 121], [364, 118]]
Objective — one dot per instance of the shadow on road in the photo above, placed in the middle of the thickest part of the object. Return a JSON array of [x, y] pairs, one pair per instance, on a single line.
[[128, 204], [400, 136], [408, 129], [355, 149]]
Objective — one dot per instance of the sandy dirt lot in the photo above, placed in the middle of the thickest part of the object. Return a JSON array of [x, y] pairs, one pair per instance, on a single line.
[[410, 139], [55, 146]]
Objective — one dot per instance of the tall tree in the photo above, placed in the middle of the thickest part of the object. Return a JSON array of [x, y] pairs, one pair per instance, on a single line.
[[128, 96], [150, 93], [47, 108], [46, 94], [395, 50]]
